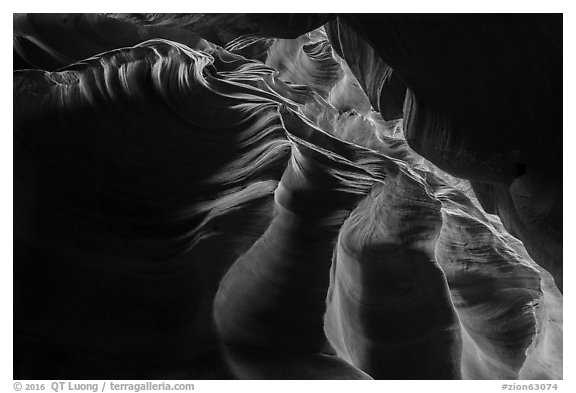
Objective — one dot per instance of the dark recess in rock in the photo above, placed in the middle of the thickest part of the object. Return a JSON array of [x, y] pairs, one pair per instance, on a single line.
[[287, 196]]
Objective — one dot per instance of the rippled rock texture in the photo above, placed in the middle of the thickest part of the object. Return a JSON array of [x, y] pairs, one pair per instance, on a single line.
[[254, 197], [484, 103]]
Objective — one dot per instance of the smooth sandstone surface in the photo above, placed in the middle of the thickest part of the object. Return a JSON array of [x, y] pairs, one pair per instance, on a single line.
[[216, 196]]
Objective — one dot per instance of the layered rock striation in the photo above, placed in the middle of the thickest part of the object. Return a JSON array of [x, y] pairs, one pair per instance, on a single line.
[[237, 196]]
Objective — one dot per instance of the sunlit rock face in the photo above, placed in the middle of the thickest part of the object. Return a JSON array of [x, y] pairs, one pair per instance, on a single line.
[[384, 270], [494, 290], [232, 196], [484, 103], [384, 90]]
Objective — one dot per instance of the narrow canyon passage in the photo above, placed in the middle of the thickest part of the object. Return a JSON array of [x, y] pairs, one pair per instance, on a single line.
[[282, 196]]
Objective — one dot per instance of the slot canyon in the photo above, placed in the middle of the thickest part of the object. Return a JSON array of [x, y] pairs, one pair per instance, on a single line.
[[288, 196]]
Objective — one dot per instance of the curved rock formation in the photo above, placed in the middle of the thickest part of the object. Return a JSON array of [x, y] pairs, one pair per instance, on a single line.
[[498, 292], [494, 292], [190, 211], [499, 80], [132, 169], [270, 304], [389, 308], [251, 47], [39, 38], [384, 89], [544, 357], [305, 62]]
